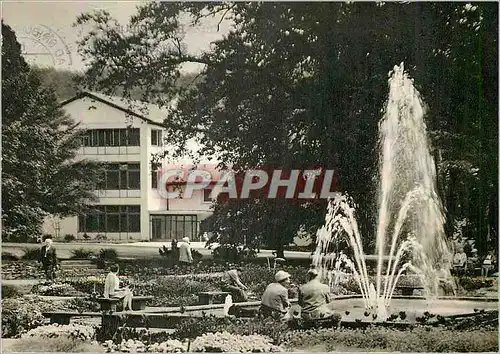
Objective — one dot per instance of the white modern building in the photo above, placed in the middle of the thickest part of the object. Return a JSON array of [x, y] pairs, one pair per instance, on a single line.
[[130, 206]]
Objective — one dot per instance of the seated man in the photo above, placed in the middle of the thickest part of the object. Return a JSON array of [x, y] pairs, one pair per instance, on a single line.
[[233, 285], [459, 261], [275, 301], [314, 298], [112, 288]]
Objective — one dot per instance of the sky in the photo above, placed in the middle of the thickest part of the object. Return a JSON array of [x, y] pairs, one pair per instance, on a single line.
[[44, 29]]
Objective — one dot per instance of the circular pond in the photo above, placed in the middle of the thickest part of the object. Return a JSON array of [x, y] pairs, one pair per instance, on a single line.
[[353, 308]]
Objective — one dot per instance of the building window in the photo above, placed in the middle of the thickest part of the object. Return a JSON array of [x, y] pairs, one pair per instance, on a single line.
[[112, 137], [206, 195], [156, 137], [155, 169], [111, 218], [121, 176], [170, 227], [134, 137]]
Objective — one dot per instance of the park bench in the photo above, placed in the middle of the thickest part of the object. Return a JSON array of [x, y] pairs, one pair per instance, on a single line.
[[407, 290], [63, 317], [110, 304], [208, 297]]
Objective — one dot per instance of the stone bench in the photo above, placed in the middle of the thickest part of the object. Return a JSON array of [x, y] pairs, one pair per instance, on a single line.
[[110, 304], [407, 290], [61, 317], [208, 297]]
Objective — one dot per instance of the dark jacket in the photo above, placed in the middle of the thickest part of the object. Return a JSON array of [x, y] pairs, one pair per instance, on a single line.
[[48, 257]]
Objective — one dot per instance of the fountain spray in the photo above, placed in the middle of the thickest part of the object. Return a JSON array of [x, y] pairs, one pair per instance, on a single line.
[[410, 216]]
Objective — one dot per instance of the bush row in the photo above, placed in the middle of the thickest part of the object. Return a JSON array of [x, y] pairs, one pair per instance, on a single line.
[[419, 339]]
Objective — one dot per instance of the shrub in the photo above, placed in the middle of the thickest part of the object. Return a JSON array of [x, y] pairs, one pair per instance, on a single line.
[[106, 257], [193, 327], [73, 331], [30, 254], [19, 316], [7, 256], [46, 236], [9, 292], [232, 253], [471, 284], [81, 253], [420, 339], [69, 237]]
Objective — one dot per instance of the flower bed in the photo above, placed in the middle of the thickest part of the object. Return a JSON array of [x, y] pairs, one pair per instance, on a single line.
[[56, 289], [225, 343], [22, 314], [177, 291], [74, 331], [419, 339], [21, 270], [233, 335], [220, 342]]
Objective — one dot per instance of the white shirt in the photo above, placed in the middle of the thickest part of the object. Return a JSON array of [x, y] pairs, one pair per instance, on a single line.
[[459, 259], [488, 260], [111, 285]]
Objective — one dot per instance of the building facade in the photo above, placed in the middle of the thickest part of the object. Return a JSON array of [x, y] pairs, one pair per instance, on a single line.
[[129, 206]]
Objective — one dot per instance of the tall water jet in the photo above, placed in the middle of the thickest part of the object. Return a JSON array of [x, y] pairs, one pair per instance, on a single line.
[[410, 218]]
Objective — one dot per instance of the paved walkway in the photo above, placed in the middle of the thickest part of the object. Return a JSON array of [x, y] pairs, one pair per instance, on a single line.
[[133, 249]]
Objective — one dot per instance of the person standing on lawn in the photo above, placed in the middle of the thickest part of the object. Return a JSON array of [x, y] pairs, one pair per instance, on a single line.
[[315, 297], [275, 301], [112, 288], [185, 257], [48, 259], [232, 284]]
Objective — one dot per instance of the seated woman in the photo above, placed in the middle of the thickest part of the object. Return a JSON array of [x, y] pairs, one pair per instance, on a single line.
[[112, 288]]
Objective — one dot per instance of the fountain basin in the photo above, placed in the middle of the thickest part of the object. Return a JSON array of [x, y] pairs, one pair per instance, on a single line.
[[414, 307]]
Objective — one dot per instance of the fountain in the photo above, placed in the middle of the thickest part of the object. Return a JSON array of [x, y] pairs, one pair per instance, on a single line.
[[410, 229]]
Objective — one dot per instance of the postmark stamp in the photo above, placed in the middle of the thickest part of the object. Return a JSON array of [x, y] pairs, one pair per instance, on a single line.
[[44, 46]]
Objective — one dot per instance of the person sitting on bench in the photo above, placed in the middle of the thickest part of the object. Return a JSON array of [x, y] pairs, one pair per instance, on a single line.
[[275, 301], [112, 288], [232, 284], [487, 263], [314, 298], [459, 261]]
